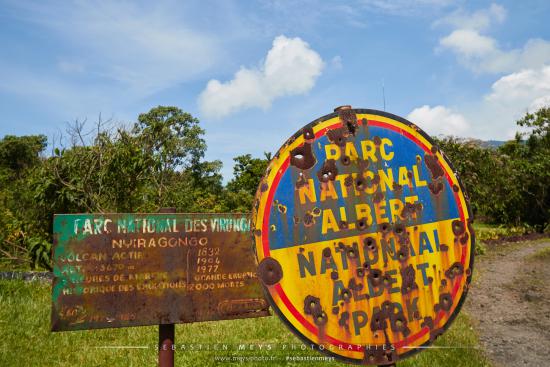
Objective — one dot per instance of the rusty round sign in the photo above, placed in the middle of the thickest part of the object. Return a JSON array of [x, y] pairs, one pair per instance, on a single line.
[[363, 236]]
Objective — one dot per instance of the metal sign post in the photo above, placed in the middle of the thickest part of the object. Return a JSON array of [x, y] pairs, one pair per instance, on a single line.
[[167, 332], [363, 236]]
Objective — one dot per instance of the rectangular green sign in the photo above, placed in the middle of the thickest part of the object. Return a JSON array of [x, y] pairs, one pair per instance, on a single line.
[[117, 270]]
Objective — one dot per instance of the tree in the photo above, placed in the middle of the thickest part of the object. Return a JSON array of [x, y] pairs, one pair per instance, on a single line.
[[247, 173]]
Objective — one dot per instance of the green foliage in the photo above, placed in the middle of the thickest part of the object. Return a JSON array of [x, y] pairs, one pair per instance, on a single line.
[[247, 173], [508, 185]]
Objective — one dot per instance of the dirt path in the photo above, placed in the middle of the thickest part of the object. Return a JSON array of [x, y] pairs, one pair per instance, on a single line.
[[510, 304]]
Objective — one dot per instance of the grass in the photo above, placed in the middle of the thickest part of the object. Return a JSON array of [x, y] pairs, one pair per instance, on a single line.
[[542, 254], [25, 339]]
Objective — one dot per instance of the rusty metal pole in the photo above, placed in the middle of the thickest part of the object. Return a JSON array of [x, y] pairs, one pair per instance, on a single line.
[[166, 331]]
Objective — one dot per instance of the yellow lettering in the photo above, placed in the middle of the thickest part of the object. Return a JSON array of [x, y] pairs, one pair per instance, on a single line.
[[403, 178], [350, 151], [368, 149], [417, 181], [387, 156], [332, 151], [386, 179], [307, 191], [329, 191], [329, 222], [396, 206]]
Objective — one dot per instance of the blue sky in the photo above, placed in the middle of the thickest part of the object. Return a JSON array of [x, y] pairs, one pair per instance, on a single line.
[[255, 72]]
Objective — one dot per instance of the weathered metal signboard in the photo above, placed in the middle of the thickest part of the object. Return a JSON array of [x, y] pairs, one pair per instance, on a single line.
[[363, 236], [115, 270]]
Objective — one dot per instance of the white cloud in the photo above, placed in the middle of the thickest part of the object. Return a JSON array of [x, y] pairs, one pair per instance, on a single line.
[[439, 120], [481, 53], [291, 67], [517, 93], [478, 20]]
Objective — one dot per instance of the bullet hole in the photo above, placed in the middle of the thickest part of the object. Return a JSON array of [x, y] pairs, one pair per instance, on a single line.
[[301, 249], [352, 253], [370, 244], [348, 118], [334, 275], [360, 272], [378, 322], [359, 184], [464, 238], [408, 279], [328, 172], [384, 228], [458, 227], [436, 187], [443, 247], [410, 210], [302, 157], [377, 141], [416, 315], [378, 197], [316, 212], [320, 319], [345, 295], [273, 228], [348, 181], [270, 271], [418, 159], [312, 305], [403, 254], [398, 228], [355, 286], [433, 166], [468, 272], [258, 232], [456, 188], [264, 186], [427, 322], [375, 277], [296, 219], [360, 224], [363, 164], [455, 270], [409, 175], [327, 252], [308, 133], [282, 208], [338, 136], [445, 301], [433, 149], [301, 181], [397, 188], [343, 321], [335, 310], [345, 160], [343, 224], [430, 280], [308, 219], [443, 282]]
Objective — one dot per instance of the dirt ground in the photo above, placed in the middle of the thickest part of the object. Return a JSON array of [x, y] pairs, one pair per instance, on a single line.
[[509, 301]]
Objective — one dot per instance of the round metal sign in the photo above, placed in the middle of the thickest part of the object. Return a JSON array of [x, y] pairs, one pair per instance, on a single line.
[[363, 236]]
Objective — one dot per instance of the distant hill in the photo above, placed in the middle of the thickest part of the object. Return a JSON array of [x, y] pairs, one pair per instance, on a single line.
[[493, 143]]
